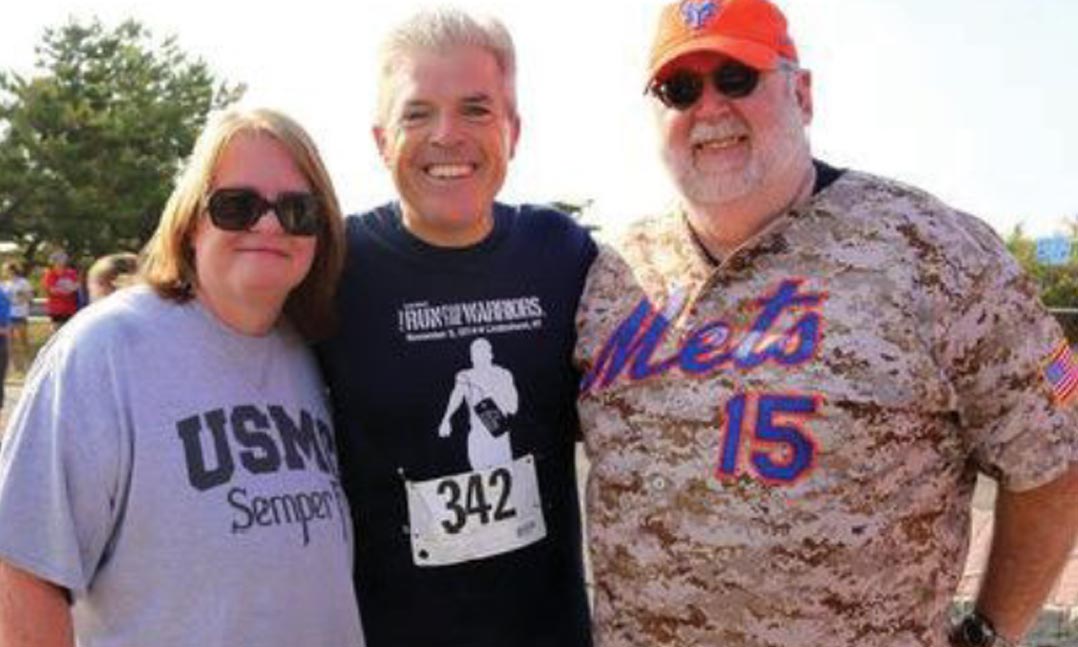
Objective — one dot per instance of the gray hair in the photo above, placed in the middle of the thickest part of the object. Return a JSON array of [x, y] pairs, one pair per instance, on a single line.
[[790, 68], [435, 30]]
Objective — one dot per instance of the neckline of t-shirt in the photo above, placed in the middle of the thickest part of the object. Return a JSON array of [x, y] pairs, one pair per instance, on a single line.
[[234, 342], [407, 241]]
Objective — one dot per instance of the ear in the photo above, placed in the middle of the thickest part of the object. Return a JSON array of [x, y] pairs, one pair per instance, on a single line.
[[380, 140], [803, 95], [514, 133]]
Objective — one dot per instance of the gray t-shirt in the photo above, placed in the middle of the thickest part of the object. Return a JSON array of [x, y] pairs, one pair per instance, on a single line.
[[181, 481]]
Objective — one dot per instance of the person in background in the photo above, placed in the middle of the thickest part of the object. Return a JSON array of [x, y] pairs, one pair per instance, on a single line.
[[21, 295], [451, 378], [170, 476], [5, 332], [110, 273], [794, 378], [61, 286]]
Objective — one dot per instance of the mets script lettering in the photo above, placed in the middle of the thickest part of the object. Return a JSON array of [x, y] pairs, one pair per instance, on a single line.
[[779, 446]]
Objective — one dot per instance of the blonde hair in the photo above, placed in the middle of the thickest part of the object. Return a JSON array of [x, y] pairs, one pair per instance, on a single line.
[[168, 263], [112, 272], [437, 30]]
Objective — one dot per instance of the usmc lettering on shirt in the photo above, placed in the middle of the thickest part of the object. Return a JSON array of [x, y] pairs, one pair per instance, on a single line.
[[221, 443], [766, 436]]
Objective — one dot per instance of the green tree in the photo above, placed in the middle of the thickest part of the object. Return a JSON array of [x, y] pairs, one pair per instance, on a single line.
[[1058, 284], [577, 210], [90, 144]]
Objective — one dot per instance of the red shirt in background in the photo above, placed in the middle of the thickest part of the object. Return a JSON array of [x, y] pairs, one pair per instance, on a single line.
[[62, 290]]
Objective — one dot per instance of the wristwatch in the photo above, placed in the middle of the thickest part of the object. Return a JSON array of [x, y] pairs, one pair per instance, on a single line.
[[976, 630]]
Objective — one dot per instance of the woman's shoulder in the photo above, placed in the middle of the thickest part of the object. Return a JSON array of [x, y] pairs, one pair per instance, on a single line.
[[119, 320]]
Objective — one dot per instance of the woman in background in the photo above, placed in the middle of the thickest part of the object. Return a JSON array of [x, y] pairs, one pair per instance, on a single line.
[[20, 294]]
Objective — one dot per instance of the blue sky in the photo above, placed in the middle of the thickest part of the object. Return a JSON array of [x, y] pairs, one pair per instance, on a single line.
[[973, 100]]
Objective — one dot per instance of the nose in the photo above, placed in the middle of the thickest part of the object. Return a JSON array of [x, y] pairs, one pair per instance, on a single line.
[[446, 130], [711, 102], [268, 222]]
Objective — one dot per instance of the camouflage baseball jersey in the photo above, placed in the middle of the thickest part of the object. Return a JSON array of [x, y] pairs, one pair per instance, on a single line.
[[784, 446]]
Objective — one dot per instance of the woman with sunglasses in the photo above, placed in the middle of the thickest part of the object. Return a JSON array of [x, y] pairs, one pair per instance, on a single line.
[[170, 475]]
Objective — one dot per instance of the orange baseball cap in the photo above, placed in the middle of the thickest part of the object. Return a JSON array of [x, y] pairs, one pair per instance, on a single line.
[[751, 31]]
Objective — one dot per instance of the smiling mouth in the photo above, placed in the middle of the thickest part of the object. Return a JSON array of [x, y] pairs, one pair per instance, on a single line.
[[264, 250], [450, 171], [719, 144]]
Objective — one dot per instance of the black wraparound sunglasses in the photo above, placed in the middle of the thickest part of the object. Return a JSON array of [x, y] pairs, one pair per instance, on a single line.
[[683, 88], [299, 213]]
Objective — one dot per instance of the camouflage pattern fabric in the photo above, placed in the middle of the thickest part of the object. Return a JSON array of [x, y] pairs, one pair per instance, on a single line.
[[784, 445]]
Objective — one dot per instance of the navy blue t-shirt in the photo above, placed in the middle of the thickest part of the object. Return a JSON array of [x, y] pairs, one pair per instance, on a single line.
[[454, 398]]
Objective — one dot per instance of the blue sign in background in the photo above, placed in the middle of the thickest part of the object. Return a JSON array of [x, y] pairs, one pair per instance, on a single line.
[[1054, 251]]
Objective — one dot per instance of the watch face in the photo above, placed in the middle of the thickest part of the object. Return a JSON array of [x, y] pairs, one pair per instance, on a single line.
[[975, 632]]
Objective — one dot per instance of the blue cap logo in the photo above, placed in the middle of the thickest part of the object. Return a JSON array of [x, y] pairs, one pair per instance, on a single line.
[[697, 13]]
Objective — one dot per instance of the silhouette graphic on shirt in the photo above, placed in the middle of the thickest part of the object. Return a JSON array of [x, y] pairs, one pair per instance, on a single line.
[[488, 391]]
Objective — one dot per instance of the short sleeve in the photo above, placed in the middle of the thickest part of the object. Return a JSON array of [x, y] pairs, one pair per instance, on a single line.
[[999, 345], [606, 270], [62, 466]]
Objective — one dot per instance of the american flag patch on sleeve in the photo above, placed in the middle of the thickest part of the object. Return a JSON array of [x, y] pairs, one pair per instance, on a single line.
[[1061, 371]]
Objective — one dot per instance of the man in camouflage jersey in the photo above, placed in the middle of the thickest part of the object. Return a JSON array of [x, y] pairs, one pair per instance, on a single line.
[[793, 381]]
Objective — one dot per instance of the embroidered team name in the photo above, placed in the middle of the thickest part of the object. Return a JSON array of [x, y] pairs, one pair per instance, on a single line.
[[715, 345], [765, 435], [1061, 371]]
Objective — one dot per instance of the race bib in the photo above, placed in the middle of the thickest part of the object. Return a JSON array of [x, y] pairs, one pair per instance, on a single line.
[[474, 515]]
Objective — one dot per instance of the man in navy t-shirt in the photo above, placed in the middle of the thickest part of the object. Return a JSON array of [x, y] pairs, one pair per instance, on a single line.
[[451, 377]]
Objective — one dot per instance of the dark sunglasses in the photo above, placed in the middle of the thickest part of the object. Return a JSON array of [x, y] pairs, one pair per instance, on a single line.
[[683, 88], [300, 214]]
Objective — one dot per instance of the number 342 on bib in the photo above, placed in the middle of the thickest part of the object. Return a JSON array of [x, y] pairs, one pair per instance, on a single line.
[[473, 515]]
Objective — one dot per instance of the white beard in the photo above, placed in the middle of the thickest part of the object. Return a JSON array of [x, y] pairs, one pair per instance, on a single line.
[[770, 154]]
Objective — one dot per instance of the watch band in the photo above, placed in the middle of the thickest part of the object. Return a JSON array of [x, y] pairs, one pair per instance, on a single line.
[[976, 630]]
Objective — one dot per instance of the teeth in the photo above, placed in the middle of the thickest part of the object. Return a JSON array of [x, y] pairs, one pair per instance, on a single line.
[[449, 171], [718, 144]]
